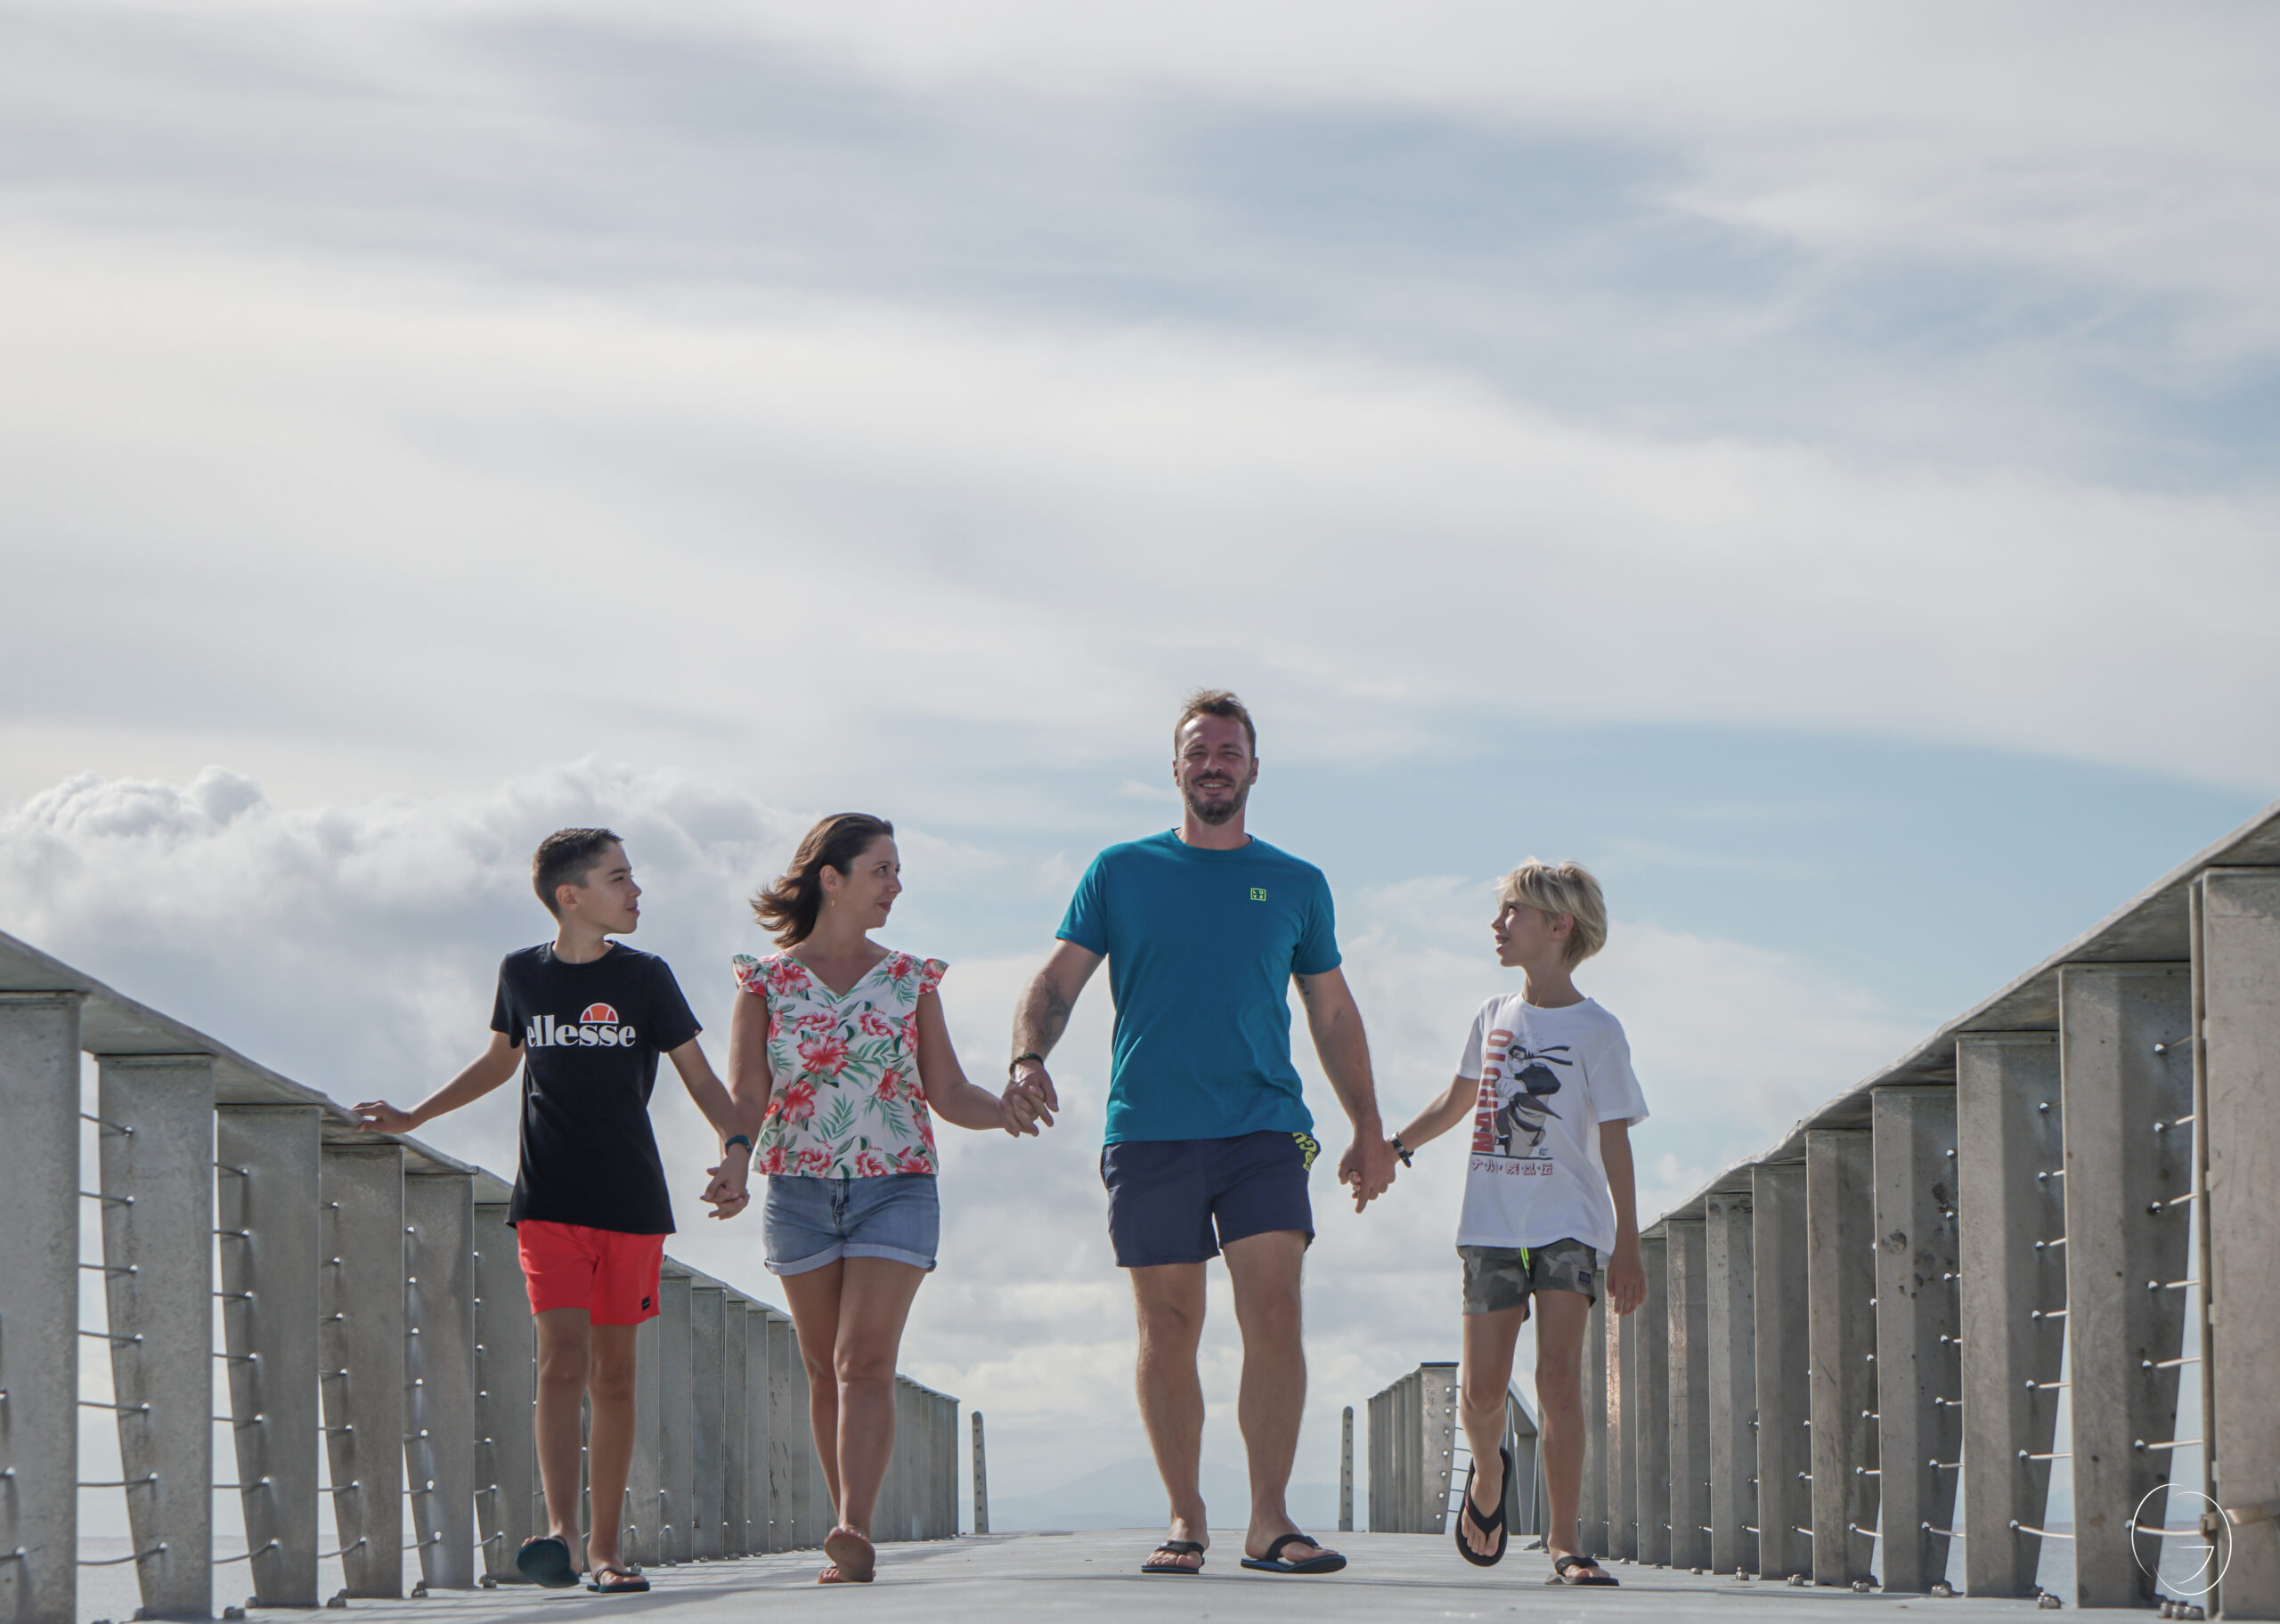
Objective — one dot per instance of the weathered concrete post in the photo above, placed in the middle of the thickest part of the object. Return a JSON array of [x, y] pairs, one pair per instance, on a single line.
[[2239, 957], [1919, 1436], [440, 1434], [1779, 1301], [1690, 1381], [757, 1421], [707, 1309], [39, 1346], [1622, 1419], [1730, 1327], [676, 1417], [982, 1476], [1841, 1332], [2013, 1298], [1345, 1468], [735, 1526], [1591, 1511], [362, 1358], [789, 1451], [1652, 1429], [267, 1195], [643, 1513], [158, 1222], [2127, 1078], [506, 1387]]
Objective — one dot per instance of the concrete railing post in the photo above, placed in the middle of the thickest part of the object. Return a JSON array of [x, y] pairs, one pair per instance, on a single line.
[[708, 1410], [980, 1479], [2127, 1078], [676, 1417], [439, 1437], [1591, 1510], [506, 1387], [757, 1329], [158, 1223], [789, 1450], [736, 1520], [1345, 1469], [1651, 1432], [1437, 1413], [1841, 1334], [39, 1287], [361, 1357], [1730, 1328], [1778, 1299], [1690, 1385], [643, 1513], [1621, 1392], [2008, 1150], [267, 1192], [2237, 956], [1919, 1436]]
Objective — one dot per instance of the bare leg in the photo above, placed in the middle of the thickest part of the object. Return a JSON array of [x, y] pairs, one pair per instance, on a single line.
[[814, 1301], [1168, 1298], [562, 1355], [874, 1302], [1484, 1380], [609, 1447], [1560, 1317], [1265, 1270]]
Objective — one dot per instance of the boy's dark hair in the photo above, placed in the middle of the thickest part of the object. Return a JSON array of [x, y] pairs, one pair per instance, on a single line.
[[565, 857], [789, 908], [1220, 702]]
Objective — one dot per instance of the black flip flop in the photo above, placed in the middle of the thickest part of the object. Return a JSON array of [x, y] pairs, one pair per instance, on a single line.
[[1585, 1571], [1329, 1562], [1486, 1525], [608, 1569], [546, 1561], [1174, 1548]]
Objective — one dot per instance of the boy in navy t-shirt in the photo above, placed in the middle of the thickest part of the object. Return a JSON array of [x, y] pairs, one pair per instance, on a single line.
[[585, 1019]]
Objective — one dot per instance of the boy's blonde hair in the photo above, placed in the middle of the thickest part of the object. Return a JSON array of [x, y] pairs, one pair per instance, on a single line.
[[1561, 887]]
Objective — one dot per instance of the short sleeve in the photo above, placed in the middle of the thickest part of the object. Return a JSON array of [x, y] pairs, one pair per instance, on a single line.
[[1317, 949], [502, 1014], [1085, 924], [930, 977], [672, 1022], [1615, 1095], [1475, 1042], [747, 972]]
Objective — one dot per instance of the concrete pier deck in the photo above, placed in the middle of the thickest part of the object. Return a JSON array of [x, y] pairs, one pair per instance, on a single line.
[[1092, 1576]]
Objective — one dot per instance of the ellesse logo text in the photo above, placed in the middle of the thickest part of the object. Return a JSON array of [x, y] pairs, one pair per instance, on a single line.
[[597, 1027]]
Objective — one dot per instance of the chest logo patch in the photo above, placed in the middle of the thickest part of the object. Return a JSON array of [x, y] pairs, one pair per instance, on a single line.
[[601, 1013], [1258, 893]]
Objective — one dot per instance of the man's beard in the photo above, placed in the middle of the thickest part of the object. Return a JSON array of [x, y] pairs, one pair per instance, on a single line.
[[1216, 812]]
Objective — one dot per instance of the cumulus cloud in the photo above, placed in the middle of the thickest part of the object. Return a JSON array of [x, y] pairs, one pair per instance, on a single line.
[[353, 947]]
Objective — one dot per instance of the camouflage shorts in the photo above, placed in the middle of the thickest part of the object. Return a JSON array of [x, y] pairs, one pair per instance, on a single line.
[[1498, 1278]]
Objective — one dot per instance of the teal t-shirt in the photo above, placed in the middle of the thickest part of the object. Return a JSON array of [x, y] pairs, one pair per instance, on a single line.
[[1202, 945]]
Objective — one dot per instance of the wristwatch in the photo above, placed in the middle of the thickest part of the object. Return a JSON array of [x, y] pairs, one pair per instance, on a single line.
[[1408, 1156], [1014, 1064], [734, 1141]]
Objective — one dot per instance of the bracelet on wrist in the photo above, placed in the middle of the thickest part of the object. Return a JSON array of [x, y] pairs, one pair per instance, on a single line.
[[1016, 1064], [1408, 1156], [733, 1139]]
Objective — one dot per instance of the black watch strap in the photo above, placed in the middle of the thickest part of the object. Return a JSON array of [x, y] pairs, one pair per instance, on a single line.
[[1408, 1156], [1014, 1064]]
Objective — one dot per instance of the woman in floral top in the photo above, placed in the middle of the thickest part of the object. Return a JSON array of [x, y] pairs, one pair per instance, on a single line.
[[846, 1041]]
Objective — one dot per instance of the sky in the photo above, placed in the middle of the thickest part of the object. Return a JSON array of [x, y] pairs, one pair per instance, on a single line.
[[1812, 464]]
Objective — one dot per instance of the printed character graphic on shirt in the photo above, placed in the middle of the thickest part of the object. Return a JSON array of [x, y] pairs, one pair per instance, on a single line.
[[1516, 1087]]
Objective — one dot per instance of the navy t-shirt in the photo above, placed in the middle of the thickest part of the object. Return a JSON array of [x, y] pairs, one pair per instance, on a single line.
[[590, 1035], [1202, 945]]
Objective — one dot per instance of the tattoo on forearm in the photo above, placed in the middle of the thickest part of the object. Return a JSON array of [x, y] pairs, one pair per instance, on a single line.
[[1043, 1018]]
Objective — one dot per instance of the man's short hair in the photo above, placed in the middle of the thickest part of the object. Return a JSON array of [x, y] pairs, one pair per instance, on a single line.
[[565, 857], [1561, 887], [1216, 702]]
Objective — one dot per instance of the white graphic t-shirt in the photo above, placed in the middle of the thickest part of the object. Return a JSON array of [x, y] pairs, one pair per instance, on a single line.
[[1547, 1078]]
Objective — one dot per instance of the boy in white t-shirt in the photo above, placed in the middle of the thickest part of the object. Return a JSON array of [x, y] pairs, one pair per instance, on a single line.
[[1548, 1197]]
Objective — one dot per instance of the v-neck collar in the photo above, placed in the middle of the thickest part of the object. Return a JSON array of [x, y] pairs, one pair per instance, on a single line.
[[825, 986]]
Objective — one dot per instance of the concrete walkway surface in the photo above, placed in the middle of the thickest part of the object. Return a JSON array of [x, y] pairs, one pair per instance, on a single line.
[[1093, 1577]]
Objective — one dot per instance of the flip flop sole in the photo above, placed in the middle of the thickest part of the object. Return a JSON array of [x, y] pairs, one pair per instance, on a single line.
[[1154, 1567], [1329, 1562], [636, 1584], [546, 1562]]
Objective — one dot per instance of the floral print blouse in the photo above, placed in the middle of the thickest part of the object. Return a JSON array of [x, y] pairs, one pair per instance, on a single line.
[[846, 1102]]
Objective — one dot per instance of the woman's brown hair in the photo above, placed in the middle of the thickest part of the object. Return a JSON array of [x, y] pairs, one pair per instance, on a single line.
[[789, 908]]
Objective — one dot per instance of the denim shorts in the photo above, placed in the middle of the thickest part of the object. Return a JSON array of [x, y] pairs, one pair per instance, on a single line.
[[809, 1223], [1167, 1197]]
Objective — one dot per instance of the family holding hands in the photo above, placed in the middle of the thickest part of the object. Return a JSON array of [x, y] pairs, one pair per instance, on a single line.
[[840, 1060]]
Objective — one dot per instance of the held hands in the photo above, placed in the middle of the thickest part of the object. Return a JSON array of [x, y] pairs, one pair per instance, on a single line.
[[1368, 1166], [726, 1194], [378, 1117], [1028, 1099], [1626, 1276]]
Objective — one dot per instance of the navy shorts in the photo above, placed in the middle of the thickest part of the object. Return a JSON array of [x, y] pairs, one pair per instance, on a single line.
[[1165, 1195]]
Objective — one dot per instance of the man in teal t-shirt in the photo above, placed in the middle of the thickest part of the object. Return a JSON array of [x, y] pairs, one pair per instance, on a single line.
[[1210, 1142]]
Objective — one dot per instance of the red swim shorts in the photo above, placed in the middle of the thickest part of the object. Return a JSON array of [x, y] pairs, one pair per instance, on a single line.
[[613, 1275]]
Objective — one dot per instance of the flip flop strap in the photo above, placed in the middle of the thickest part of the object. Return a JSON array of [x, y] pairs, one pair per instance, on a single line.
[[1274, 1551], [1182, 1547]]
